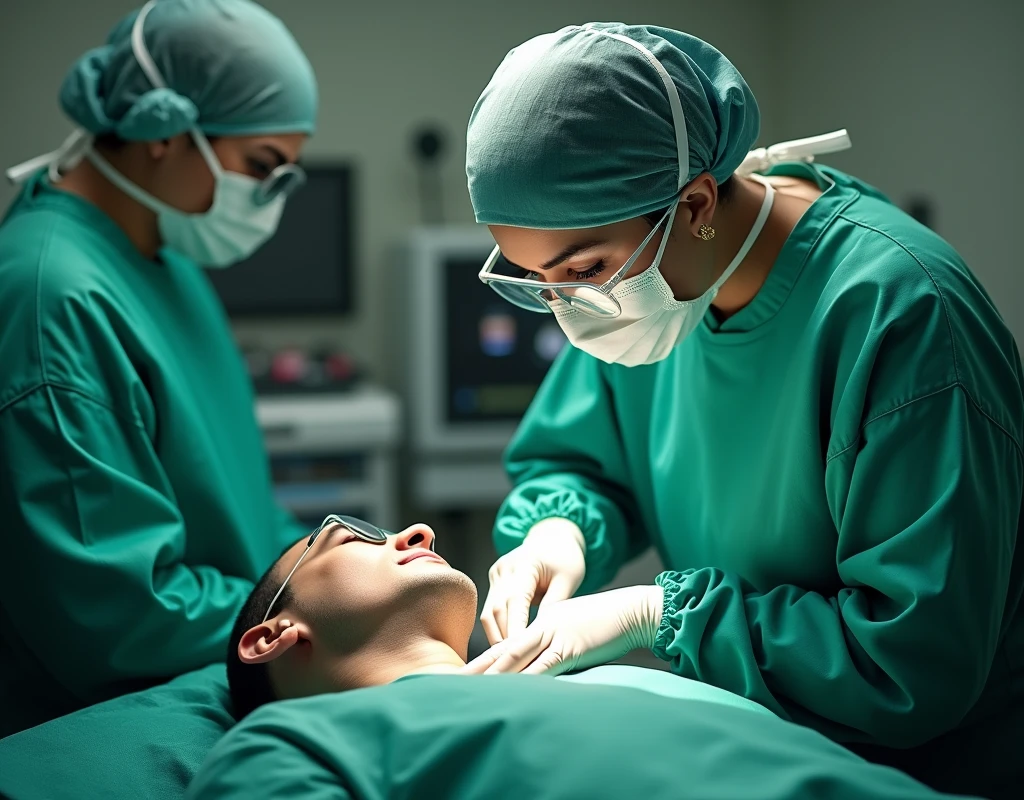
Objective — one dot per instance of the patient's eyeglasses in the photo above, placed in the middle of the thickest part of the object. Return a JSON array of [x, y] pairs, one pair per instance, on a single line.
[[364, 530]]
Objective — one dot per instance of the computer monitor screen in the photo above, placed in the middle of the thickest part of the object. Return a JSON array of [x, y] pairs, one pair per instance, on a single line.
[[306, 268], [497, 353]]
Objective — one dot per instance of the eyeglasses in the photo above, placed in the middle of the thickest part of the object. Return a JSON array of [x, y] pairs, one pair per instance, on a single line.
[[363, 530], [284, 180], [591, 299]]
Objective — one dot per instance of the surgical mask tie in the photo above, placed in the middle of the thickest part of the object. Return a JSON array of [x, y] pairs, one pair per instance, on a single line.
[[244, 214], [652, 322]]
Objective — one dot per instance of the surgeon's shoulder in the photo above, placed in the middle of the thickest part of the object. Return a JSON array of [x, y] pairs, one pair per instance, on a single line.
[[914, 317], [52, 252], [51, 277]]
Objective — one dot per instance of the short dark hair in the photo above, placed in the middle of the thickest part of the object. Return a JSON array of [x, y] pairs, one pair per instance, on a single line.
[[250, 684], [725, 193]]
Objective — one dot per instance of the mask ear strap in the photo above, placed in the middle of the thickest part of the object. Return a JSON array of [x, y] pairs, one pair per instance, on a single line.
[[207, 151], [755, 231], [121, 182], [668, 231], [149, 67], [139, 48], [675, 104]]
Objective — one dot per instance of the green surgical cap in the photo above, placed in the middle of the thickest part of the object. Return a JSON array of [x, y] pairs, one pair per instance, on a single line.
[[231, 68], [575, 129]]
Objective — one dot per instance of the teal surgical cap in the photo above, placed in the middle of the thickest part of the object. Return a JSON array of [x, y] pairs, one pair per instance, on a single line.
[[575, 129], [231, 68]]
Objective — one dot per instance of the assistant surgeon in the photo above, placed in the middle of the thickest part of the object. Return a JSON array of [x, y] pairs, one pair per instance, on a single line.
[[801, 397], [135, 497]]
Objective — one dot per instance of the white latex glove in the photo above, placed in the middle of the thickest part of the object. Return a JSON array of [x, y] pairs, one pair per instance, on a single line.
[[578, 633], [547, 567]]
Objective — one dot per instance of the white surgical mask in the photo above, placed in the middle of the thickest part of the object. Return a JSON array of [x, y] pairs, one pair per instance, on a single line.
[[231, 230], [234, 226], [244, 214], [652, 321]]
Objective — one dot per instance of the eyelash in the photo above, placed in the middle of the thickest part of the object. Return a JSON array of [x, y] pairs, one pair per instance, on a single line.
[[259, 167], [593, 272], [586, 275]]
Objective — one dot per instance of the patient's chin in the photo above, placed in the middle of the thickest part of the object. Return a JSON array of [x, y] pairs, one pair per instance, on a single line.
[[445, 585], [445, 595]]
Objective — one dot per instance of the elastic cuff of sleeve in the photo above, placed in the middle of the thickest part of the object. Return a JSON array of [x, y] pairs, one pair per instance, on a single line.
[[520, 515], [677, 595]]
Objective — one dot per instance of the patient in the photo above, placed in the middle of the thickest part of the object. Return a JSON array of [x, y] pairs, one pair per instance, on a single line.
[[362, 609], [359, 633]]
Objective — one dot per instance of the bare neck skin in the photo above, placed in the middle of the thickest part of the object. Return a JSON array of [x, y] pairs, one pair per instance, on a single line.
[[733, 221], [378, 666], [137, 222], [424, 642], [312, 671]]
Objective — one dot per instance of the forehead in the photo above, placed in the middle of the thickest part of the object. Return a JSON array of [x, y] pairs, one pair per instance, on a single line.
[[288, 144], [537, 239], [530, 247]]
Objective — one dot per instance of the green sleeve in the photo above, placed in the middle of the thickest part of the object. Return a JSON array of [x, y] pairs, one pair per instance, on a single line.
[[567, 460], [97, 589], [926, 505], [291, 530], [269, 760]]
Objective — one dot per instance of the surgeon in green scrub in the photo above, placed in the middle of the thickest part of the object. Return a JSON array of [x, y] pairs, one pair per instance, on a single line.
[[135, 496], [800, 397], [361, 634]]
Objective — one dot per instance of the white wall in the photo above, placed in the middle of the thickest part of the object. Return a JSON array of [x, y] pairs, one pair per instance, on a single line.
[[383, 67], [931, 92]]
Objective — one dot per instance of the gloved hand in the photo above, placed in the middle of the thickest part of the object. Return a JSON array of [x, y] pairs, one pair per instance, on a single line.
[[578, 633], [547, 567]]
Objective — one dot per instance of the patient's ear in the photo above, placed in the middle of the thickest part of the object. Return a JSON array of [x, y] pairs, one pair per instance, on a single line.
[[269, 640]]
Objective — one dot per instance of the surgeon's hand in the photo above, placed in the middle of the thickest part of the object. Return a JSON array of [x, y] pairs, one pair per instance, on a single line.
[[578, 633], [547, 567]]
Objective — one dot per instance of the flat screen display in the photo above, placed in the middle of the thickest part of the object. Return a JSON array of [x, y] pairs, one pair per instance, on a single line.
[[497, 353], [306, 268]]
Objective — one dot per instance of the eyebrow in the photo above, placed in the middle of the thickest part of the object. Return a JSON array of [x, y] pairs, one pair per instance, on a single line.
[[566, 254]]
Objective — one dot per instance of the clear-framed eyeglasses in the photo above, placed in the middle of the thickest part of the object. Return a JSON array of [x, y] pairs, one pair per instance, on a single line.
[[362, 529], [285, 180], [595, 300]]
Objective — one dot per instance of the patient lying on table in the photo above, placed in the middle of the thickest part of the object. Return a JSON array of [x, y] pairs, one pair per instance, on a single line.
[[371, 632]]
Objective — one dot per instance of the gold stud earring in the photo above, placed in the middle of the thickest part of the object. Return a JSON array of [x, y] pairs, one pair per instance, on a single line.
[[707, 233]]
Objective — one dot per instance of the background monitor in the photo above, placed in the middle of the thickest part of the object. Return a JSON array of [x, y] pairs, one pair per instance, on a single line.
[[306, 268], [497, 353], [475, 361]]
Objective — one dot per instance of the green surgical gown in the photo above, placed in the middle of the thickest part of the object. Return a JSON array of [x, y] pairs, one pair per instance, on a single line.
[[527, 736], [833, 478], [135, 500]]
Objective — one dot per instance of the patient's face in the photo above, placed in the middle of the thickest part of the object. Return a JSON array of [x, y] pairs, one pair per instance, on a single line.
[[348, 589]]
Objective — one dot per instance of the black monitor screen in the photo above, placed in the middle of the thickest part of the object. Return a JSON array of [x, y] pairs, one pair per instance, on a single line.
[[497, 353], [306, 267]]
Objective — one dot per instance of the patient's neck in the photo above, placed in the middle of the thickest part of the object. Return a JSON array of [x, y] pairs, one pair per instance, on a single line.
[[387, 662]]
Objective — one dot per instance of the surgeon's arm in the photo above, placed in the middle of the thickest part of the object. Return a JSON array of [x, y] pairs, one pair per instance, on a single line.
[[926, 504], [567, 461], [96, 587]]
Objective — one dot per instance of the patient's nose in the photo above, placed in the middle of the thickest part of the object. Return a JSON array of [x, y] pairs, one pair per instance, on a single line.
[[418, 535]]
